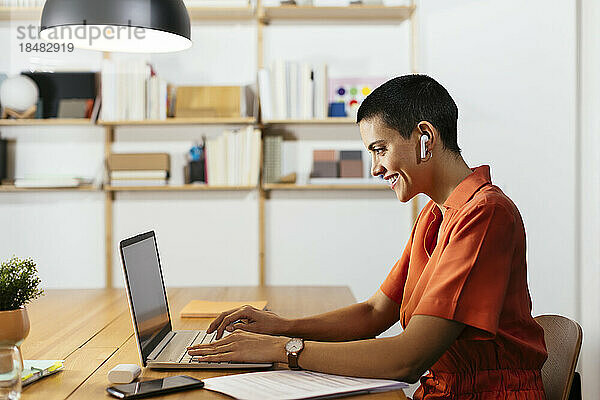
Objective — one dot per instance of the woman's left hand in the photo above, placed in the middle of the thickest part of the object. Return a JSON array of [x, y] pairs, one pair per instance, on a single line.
[[242, 346]]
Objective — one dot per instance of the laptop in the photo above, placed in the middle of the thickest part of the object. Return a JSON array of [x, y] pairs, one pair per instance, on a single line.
[[158, 345]]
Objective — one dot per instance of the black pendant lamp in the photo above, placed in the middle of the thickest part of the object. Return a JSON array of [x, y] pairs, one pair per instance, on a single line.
[[137, 26]]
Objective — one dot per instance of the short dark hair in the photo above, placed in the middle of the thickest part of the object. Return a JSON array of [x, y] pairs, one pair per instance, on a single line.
[[403, 102]]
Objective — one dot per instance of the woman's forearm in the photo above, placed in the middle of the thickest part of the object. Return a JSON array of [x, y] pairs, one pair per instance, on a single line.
[[358, 321], [403, 357], [370, 358]]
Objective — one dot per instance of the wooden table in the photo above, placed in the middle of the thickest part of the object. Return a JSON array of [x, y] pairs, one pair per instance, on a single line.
[[92, 331]]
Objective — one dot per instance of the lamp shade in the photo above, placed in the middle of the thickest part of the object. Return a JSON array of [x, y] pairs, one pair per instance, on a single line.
[[138, 26]]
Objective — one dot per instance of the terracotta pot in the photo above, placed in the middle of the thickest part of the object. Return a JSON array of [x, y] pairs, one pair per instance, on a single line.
[[14, 327]]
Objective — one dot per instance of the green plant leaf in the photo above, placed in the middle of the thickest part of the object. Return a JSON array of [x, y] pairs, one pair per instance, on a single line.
[[19, 283]]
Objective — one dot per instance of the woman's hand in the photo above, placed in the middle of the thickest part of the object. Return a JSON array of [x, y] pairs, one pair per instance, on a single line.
[[243, 347], [248, 318]]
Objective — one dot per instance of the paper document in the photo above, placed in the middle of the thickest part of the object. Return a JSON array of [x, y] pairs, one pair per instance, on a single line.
[[289, 385], [37, 369]]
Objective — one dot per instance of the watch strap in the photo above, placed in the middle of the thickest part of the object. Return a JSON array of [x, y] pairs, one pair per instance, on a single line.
[[293, 361]]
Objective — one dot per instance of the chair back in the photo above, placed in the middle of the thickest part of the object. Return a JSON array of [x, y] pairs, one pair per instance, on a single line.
[[563, 340]]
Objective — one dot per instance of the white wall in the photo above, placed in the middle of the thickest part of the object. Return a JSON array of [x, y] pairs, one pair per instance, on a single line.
[[589, 194], [511, 68]]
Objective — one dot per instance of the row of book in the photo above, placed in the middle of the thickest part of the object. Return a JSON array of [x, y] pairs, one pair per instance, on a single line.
[[233, 158], [293, 90], [132, 91], [22, 3]]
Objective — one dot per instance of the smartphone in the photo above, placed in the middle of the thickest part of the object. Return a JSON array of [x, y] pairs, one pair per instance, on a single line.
[[154, 387]]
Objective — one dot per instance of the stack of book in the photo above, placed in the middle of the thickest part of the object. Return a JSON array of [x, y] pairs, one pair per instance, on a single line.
[[293, 90], [131, 91], [233, 158], [139, 169]]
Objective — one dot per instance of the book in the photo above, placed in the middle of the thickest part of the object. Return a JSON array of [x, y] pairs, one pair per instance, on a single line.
[[51, 181], [265, 94], [138, 161], [212, 309], [320, 91], [138, 182], [34, 370], [280, 91], [272, 158], [144, 174], [306, 91], [291, 385]]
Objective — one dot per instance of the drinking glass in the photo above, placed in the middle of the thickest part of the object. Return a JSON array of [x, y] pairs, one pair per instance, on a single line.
[[10, 373]]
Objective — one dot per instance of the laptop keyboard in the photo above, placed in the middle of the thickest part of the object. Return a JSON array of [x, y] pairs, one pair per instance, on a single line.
[[201, 338]]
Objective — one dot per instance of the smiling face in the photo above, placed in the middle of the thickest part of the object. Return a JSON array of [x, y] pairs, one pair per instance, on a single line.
[[395, 158]]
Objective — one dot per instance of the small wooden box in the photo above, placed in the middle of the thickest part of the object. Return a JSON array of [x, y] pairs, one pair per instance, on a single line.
[[212, 101]]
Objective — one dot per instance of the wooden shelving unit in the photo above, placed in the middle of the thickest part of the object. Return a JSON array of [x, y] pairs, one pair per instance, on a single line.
[[262, 16], [361, 13], [176, 188]]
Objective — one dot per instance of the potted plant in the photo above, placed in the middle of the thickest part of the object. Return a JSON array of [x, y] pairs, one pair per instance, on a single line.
[[19, 284]]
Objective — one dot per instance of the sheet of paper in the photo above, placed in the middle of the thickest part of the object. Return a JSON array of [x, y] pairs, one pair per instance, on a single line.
[[290, 385]]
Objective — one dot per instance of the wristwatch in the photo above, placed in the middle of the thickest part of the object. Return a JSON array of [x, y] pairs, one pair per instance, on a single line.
[[293, 349]]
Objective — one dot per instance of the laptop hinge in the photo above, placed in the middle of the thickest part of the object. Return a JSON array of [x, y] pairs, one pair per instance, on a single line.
[[163, 343]]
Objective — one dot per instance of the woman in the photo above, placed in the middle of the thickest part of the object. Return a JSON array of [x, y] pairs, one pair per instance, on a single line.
[[459, 290]]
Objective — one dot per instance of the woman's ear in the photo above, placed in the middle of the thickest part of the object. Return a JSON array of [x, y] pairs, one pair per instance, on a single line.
[[427, 139]]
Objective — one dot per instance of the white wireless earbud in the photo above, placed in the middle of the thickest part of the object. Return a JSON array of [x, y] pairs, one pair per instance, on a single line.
[[424, 140]]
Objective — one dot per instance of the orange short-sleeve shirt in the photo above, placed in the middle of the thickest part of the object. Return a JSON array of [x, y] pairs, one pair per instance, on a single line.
[[469, 265]]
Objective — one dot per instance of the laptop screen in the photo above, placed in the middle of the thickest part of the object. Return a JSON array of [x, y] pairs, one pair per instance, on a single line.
[[146, 291]]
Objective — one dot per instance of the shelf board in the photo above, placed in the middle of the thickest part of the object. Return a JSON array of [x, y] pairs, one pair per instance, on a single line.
[[12, 188], [355, 13], [328, 14], [287, 186], [218, 13], [196, 13], [184, 121], [45, 122], [20, 13], [175, 188], [326, 121]]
